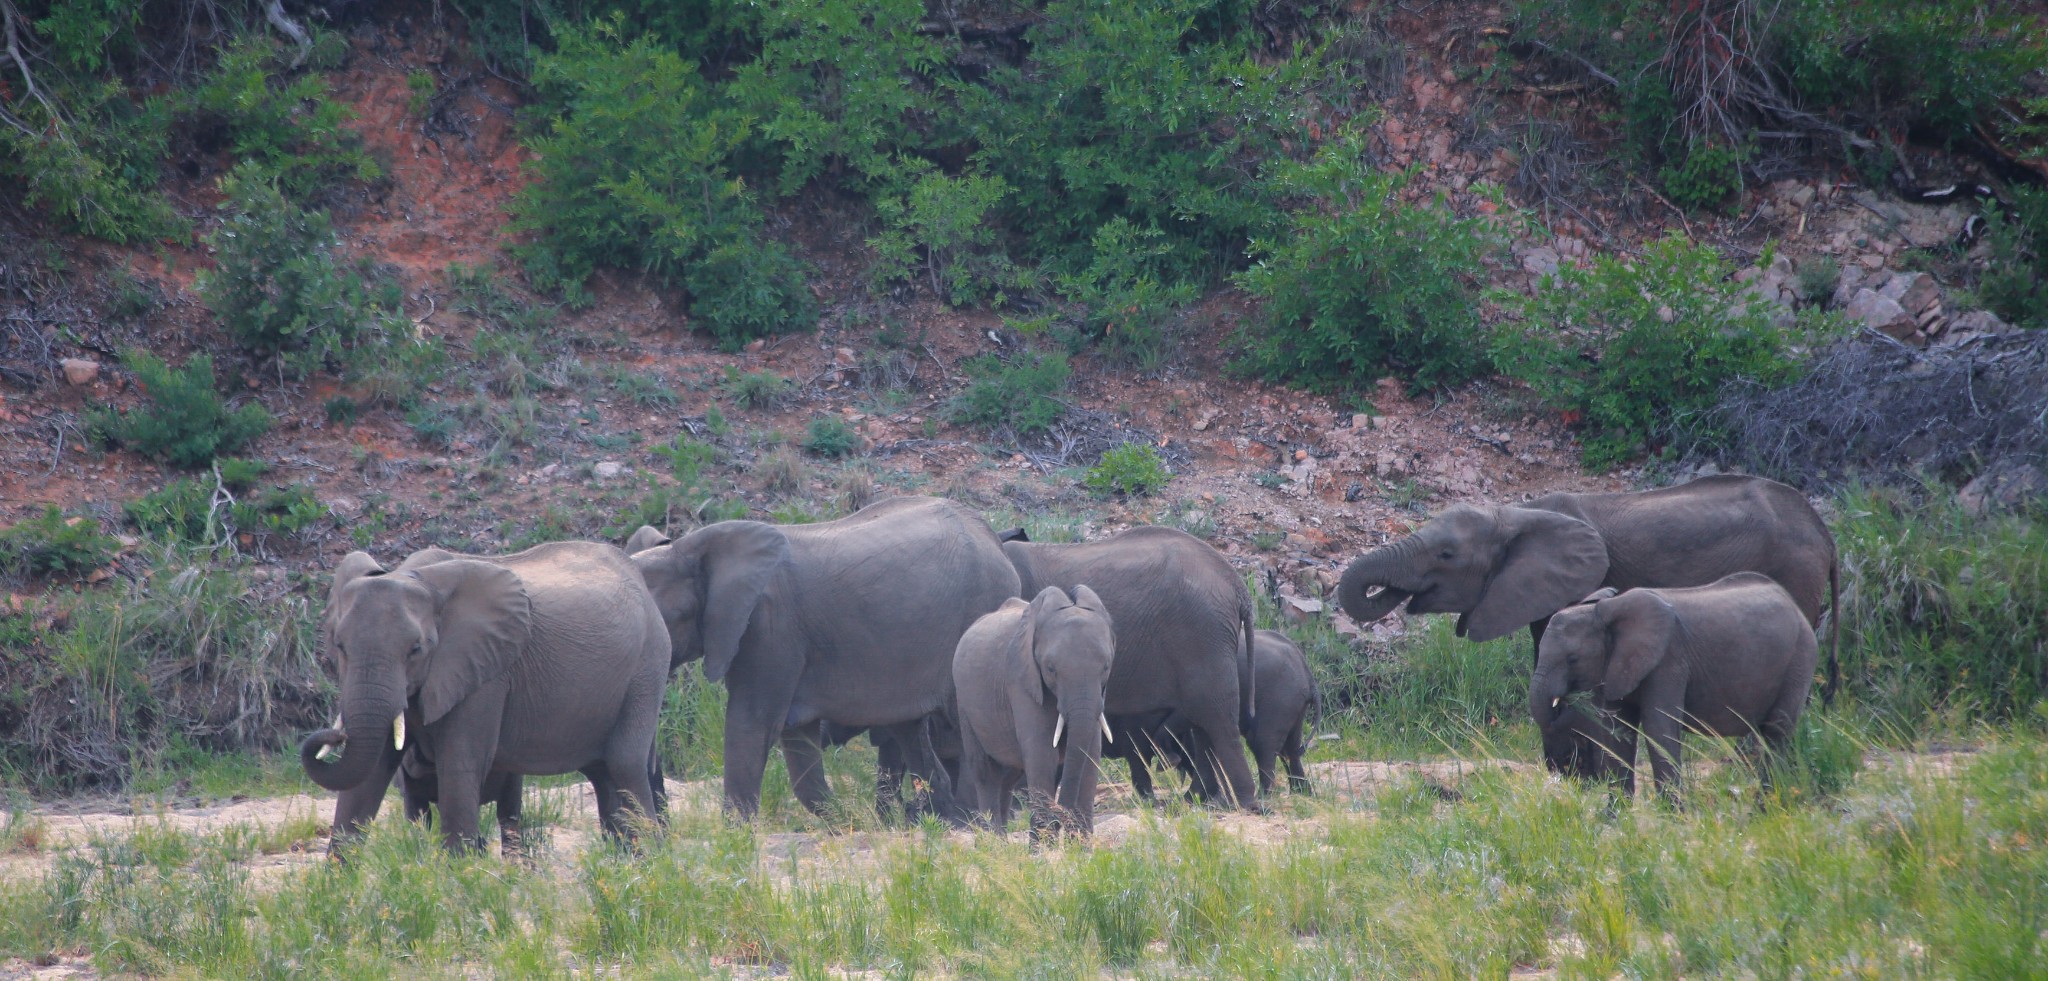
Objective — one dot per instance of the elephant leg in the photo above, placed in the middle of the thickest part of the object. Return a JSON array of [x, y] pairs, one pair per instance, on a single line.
[[1134, 757], [506, 790], [806, 763], [1264, 754], [1661, 726], [626, 759], [752, 723], [1217, 723], [890, 768], [1291, 753], [357, 806], [605, 791]]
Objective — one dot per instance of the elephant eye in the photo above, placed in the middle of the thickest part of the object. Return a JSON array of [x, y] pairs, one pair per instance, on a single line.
[[1446, 553]]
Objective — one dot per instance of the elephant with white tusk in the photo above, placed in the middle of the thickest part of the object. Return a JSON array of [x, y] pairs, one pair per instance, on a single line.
[[1020, 673], [552, 660]]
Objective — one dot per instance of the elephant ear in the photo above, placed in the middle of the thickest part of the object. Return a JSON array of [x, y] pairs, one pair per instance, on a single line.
[[738, 558], [1547, 561], [1641, 627], [353, 566], [1031, 675], [483, 617], [645, 538], [1012, 535]]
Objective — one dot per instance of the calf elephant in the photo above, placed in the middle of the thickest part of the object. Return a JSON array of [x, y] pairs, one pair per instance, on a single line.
[[851, 621], [924, 753], [1026, 675], [1184, 626], [1733, 658], [1502, 567], [552, 660], [1286, 697]]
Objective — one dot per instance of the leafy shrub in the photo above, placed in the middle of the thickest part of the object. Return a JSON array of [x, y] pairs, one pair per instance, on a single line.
[[433, 424], [749, 287], [1154, 113], [831, 436], [209, 511], [836, 87], [645, 391], [1818, 276], [632, 172], [757, 389], [53, 545], [943, 226], [1707, 176], [279, 124], [1361, 283], [1133, 468], [2014, 283], [279, 287], [1126, 300], [185, 423], [1017, 393], [1631, 347]]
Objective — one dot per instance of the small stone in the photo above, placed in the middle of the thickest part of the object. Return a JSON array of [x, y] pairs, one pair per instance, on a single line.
[[1360, 420], [1872, 261], [607, 469], [79, 371], [1540, 261], [1666, 315], [756, 344], [1880, 312], [1300, 455], [1301, 609]]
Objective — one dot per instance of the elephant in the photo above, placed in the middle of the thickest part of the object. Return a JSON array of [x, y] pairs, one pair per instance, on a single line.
[[1502, 567], [551, 660], [1184, 623], [1286, 697], [909, 750], [1732, 658], [851, 621], [1005, 667], [419, 786]]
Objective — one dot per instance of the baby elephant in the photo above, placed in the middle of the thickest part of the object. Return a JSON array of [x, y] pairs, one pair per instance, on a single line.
[[1733, 658], [1286, 693], [1022, 675]]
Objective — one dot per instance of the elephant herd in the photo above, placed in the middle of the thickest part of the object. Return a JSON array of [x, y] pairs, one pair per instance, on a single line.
[[981, 664]]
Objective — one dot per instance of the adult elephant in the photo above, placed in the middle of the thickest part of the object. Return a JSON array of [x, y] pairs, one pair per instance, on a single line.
[[551, 660], [1508, 566], [851, 621], [1183, 630]]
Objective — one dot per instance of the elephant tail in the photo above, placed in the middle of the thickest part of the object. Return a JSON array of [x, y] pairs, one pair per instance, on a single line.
[[1827, 692], [1247, 675]]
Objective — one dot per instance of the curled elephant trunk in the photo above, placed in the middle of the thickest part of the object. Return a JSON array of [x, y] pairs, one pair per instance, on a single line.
[[376, 736], [1367, 592]]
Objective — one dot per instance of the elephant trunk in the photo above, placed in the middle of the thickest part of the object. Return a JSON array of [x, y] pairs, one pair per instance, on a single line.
[[1076, 793], [1367, 591], [1563, 741], [367, 714]]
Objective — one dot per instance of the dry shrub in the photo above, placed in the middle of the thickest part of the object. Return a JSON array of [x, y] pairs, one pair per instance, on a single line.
[[1878, 410]]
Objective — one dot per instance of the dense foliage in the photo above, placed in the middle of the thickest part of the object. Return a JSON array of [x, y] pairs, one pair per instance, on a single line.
[[185, 423], [1631, 347]]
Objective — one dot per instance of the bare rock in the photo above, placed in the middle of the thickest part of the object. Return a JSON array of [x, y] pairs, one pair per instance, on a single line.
[[1301, 609], [79, 371], [2007, 485], [1881, 312], [607, 469], [1540, 261]]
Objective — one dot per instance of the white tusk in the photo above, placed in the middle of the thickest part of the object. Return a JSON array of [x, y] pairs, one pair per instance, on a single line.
[[1554, 701], [1059, 727], [1106, 737], [328, 750], [398, 732]]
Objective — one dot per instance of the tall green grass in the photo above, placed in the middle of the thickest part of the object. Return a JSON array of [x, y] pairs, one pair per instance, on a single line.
[[1916, 867]]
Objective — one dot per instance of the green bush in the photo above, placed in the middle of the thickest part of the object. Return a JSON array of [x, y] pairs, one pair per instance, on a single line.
[[1133, 469], [1361, 283], [836, 88], [279, 286], [185, 423], [757, 389], [1126, 298], [1706, 177], [2014, 283], [279, 124], [206, 511], [1019, 393], [942, 229], [1631, 348], [831, 436], [632, 172], [53, 545], [1943, 612]]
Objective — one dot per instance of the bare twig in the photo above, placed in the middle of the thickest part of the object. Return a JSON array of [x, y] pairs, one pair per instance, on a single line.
[[1591, 69], [274, 13]]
